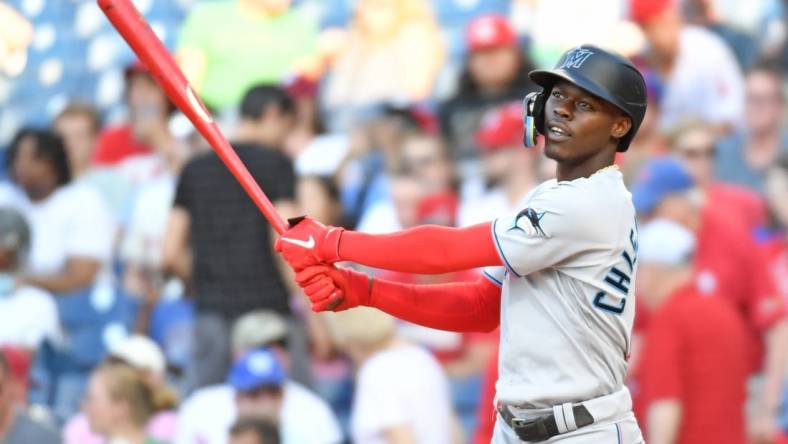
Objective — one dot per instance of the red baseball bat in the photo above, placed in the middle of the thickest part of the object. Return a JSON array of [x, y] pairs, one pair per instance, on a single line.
[[133, 27]]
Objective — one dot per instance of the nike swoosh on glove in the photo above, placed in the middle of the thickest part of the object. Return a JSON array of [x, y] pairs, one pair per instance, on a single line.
[[308, 242], [331, 288]]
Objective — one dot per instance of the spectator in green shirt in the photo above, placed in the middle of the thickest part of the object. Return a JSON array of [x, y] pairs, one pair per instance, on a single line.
[[226, 47]]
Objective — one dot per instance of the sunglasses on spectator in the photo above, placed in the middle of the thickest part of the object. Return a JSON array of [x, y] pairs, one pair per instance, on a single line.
[[697, 152]]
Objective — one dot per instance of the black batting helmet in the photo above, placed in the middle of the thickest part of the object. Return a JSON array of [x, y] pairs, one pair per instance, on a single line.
[[602, 73]]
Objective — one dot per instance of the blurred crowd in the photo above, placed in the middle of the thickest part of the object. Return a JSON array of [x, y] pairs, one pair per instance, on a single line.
[[141, 301]]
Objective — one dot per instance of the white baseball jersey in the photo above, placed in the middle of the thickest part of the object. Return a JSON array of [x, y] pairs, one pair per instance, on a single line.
[[567, 291]]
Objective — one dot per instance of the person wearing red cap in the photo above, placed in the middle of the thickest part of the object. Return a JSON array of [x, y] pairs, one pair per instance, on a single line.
[[702, 78], [146, 130], [509, 170], [495, 72]]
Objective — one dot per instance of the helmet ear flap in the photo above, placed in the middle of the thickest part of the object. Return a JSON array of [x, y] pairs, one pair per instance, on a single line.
[[533, 115]]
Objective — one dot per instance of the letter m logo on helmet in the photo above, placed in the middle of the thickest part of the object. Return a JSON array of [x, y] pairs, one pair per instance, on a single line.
[[575, 58]]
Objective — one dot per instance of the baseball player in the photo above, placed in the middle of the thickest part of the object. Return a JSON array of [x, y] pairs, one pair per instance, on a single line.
[[560, 272]]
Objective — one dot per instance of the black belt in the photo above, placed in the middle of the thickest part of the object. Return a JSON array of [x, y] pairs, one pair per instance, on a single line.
[[544, 427]]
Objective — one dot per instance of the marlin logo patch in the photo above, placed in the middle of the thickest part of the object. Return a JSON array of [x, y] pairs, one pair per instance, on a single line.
[[576, 58], [534, 218]]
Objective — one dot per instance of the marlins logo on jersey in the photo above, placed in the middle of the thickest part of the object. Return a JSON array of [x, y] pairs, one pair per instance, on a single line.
[[534, 228]]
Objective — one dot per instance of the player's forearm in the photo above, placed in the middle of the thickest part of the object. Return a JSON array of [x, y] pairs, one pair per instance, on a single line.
[[427, 249], [461, 307]]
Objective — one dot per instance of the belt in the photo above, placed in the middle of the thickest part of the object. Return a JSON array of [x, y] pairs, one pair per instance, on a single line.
[[545, 427]]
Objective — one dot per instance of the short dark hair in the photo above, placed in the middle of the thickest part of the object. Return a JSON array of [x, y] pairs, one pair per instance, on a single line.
[[258, 98], [81, 109], [49, 147], [266, 432]]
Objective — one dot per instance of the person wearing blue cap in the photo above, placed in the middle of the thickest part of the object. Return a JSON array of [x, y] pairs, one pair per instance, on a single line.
[[262, 391], [258, 379], [691, 378], [208, 414], [728, 263], [663, 185]]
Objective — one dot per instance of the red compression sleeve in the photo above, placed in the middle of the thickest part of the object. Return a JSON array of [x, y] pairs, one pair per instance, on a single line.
[[428, 249], [461, 306]]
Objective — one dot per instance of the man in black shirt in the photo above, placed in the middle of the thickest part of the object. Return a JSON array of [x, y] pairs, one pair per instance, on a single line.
[[218, 240]]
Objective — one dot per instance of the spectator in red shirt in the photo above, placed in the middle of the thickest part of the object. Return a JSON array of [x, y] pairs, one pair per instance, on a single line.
[[775, 237], [775, 243], [693, 370], [728, 263], [146, 130]]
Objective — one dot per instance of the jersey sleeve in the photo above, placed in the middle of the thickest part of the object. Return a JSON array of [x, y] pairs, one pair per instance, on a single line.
[[495, 275], [554, 226]]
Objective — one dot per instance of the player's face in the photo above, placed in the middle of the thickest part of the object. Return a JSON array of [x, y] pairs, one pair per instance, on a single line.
[[579, 125]]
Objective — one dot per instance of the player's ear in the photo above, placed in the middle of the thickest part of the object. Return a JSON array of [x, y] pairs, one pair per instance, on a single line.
[[621, 126]]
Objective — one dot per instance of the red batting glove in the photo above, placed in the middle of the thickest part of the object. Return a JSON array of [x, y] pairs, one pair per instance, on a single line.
[[331, 288], [308, 242]]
